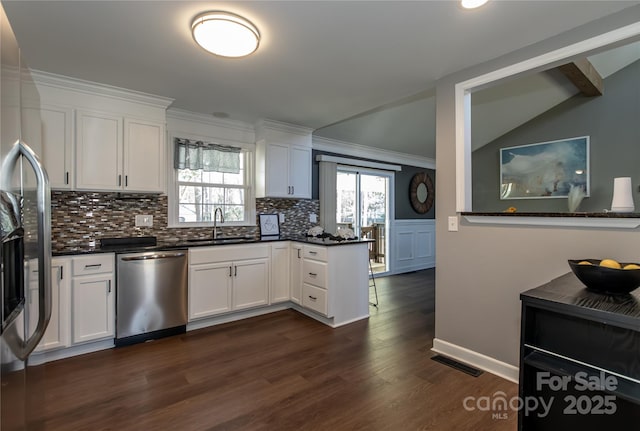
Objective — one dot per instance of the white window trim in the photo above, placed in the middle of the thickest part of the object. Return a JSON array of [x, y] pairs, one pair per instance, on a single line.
[[172, 182]]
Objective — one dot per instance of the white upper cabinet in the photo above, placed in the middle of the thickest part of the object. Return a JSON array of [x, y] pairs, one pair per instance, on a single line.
[[283, 160], [119, 141], [98, 151], [116, 153], [57, 145], [144, 155]]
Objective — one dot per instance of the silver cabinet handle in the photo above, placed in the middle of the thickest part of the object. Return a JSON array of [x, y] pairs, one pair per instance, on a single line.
[[313, 252], [119, 180], [235, 270], [43, 202], [298, 253], [293, 190], [93, 265], [153, 256], [108, 286]]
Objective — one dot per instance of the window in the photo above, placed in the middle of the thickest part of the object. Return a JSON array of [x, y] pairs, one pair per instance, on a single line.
[[197, 193]]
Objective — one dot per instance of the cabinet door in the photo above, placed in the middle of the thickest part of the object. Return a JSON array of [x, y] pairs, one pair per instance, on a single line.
[[93, 308], [277, 171], [279, 288], [250, 283], [98, 152], [144, 152], [209, 289], [57, 145], [300, 172], [57, 332], [295, 268]]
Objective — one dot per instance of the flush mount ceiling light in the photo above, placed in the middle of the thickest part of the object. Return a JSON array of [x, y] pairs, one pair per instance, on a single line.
[[472, 4], [225, 34]]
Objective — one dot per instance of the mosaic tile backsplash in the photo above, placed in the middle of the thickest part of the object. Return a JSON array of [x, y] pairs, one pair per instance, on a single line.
[[81, 218]]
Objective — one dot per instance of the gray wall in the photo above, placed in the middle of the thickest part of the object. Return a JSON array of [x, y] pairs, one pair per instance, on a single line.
[[610, 120], [483, 268], [403, 208]]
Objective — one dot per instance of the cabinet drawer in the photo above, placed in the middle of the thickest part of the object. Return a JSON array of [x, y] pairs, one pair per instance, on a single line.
[[314, 273], [314, 298], [227, 253], [316, 253], [94, 264]]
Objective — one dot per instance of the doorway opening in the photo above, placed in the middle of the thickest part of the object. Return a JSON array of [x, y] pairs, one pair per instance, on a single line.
[[364, 205]]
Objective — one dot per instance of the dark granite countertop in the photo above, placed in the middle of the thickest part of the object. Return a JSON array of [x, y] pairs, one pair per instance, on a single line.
[[183, 244], [609, 214], [568, 294]]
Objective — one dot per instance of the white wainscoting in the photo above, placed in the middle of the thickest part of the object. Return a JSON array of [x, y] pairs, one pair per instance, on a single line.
[[414, 245]]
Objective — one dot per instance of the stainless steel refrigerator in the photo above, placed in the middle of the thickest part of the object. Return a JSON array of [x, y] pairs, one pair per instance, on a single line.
[[25, 234]]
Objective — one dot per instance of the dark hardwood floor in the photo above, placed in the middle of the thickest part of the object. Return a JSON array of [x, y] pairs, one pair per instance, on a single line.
[[281, 371]]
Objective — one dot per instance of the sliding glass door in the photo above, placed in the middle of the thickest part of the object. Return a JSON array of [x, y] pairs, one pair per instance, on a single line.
[[363, 205]]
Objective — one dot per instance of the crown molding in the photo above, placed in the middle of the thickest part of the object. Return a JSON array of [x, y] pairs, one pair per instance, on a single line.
[[357, 150], [283, 127], [209, 120], [95, 88]]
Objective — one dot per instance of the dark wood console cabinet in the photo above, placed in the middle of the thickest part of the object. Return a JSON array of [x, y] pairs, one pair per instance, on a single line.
[[579, 358]]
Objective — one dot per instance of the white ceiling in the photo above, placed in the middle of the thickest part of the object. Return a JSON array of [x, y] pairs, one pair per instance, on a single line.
[[319, 63]]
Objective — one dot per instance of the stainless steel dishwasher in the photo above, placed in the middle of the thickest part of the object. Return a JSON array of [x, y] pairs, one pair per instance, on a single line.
[[151, 295]]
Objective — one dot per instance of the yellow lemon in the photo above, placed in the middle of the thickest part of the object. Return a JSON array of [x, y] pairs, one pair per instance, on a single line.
[[585, 262], [610, 263], [631, 266]]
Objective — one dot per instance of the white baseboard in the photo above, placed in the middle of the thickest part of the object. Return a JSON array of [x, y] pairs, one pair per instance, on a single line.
[[39, 358], [478, 360], [236, 315]]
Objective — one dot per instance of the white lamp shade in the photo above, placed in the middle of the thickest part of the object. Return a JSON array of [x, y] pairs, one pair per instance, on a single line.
[[622, 201], [225, 34]]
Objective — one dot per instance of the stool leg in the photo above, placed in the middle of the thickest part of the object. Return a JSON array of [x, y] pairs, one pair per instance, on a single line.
[[375, 289]]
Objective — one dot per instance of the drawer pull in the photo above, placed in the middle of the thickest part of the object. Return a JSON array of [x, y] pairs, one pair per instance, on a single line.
[[313, 274], [313, 252], [95, 265], [313, 298], [109, 287]]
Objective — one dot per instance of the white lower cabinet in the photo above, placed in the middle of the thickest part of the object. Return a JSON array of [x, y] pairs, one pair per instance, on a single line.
[[92, 298], [250, 283], [295, 272], [279, 291], [209, 290], [227, 278], [57, 334], [334, 281], [314, 280]]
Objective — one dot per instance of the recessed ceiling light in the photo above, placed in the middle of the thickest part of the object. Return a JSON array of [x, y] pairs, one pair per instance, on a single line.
[[225, 34], [472, 4]]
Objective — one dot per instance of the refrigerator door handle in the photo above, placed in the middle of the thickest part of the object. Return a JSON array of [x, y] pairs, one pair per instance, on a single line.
[[43, 197]]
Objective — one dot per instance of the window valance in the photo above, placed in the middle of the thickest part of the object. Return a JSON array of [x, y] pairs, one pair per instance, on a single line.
[[207, 156]]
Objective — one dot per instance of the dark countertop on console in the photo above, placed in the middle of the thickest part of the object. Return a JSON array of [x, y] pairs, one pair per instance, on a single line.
[[609, 214], [182, 244], [569, 294]]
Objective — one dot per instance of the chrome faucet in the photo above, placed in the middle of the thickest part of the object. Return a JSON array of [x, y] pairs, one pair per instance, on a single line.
[[215, 224]]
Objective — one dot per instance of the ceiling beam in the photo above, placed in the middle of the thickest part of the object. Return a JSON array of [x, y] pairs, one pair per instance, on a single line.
[[584, 76]]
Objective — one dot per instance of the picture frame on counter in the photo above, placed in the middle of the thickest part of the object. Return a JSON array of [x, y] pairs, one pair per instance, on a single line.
[[269, 225]]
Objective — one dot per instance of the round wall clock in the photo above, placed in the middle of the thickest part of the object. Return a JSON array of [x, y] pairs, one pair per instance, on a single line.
[[421, 192]]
